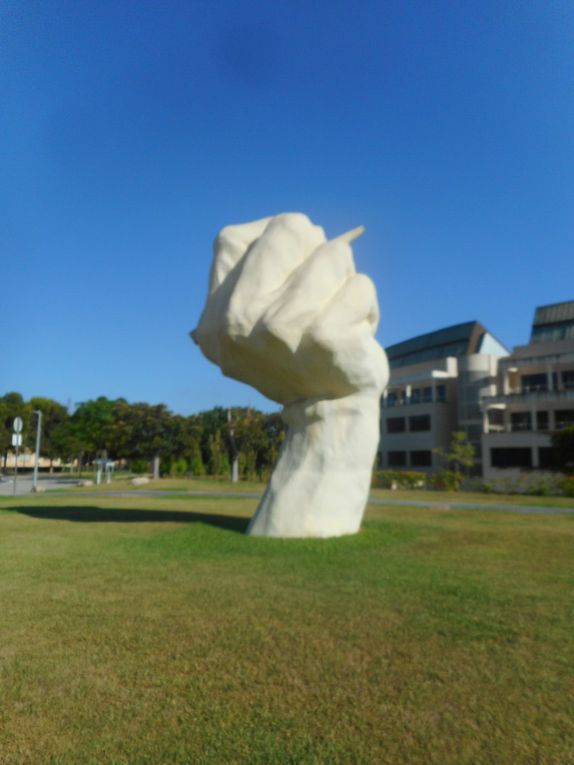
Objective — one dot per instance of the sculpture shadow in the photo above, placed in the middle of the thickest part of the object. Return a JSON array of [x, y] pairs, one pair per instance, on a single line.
[[121, 515]]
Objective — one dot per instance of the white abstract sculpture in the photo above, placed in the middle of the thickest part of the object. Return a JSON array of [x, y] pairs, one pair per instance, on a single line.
[[287, 313]]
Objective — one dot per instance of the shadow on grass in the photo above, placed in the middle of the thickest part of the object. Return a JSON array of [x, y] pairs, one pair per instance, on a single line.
[[121, 515]]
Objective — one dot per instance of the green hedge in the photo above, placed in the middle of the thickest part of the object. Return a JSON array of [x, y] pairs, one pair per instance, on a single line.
[[399, 479]]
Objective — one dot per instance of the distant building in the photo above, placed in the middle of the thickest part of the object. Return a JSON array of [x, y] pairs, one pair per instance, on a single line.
[[534, 395], [435, 388]]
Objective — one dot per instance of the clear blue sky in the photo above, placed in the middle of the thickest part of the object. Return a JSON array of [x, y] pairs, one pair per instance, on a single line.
[[130, 132]]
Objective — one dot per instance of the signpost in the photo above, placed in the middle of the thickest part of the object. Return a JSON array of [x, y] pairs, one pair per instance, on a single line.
[[17, 443], [37, 457]]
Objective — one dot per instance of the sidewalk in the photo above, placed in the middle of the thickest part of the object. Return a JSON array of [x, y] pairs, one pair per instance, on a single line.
[[24, 484]]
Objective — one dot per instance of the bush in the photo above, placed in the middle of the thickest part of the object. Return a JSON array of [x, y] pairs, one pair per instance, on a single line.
[[475, 484], [537, 484], [446, 480], [175, 468], [140, 466], [398, 479], [179, 467], [567, 486], [541, 487]]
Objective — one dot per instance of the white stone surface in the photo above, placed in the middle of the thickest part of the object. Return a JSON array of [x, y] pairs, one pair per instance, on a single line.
[[288, 314], [140, 480]]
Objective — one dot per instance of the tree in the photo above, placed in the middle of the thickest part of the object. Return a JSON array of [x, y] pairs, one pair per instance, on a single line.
[[459, 457], [252, 440], [12, 405], [563, 445], [140, 431], [53, 416], [92, 421], [195, 460], [68, 442], [209, 422], [218, 463]]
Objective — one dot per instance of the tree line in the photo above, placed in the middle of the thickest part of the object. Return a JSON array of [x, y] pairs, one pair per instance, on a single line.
[[135, 433]]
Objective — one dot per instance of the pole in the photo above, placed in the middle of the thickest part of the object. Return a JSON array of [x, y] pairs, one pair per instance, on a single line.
[[37, 460], [16, 468]]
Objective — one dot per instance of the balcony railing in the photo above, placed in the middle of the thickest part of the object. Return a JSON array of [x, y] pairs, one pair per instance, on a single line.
[[410, 401], [530, 396], [520, 427], [544, 429]]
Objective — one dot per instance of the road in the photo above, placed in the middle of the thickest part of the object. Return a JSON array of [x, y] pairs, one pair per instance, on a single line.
[[24, 484]]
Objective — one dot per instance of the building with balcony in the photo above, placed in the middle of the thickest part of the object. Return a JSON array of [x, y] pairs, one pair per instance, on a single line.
[[534, 395], [436, 384]]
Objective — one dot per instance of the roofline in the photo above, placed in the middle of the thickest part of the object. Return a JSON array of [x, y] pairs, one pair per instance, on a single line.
[[553, 305], [478, 329], [434, 331]]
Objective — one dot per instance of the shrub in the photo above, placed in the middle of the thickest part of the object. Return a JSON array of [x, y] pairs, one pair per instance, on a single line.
[[536, 484], [140, 466], [446, 480], [179, 467], [175, 468], [567, 486], [541, 487], [398, 479], [474, 484]]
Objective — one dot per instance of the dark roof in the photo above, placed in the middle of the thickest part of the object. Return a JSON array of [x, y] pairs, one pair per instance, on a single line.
[[458, 340], [554, 314], [553, 322]]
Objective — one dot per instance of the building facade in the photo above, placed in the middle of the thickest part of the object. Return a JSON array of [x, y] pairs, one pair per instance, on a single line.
[[534, 395], [462, 378], [435, 388]]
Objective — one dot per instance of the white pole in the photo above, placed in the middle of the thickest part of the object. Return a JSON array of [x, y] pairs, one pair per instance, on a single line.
[[16, 463], [37, 460]]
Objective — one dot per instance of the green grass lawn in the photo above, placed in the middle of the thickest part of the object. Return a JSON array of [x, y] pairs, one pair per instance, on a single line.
[[151, 630]]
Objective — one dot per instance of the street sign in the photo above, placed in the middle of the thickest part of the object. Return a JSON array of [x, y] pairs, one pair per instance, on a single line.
[[16, 443]]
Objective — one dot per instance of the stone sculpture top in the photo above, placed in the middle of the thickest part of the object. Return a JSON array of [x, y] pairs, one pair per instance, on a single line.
[[288, 314]]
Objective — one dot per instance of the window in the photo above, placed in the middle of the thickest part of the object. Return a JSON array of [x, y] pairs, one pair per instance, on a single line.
[[548, 333], [397, 459], [392, 399], [416, 396], [495, 421], [542, 420], [568, 379], [537, 382], [520, 421], [427, 394], [396, 425], [507, 458], [564, 418], [419, 423], [441, 393], [421, 458]]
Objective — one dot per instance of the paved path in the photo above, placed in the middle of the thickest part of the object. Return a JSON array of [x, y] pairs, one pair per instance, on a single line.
[[437, 505], [546, 510], [24, 484]]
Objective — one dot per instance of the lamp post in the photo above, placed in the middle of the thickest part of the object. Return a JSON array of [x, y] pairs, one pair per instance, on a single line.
[[37, 460]]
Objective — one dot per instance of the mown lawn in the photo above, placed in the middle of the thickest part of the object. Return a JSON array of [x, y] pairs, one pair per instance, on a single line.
[[151, 630]]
